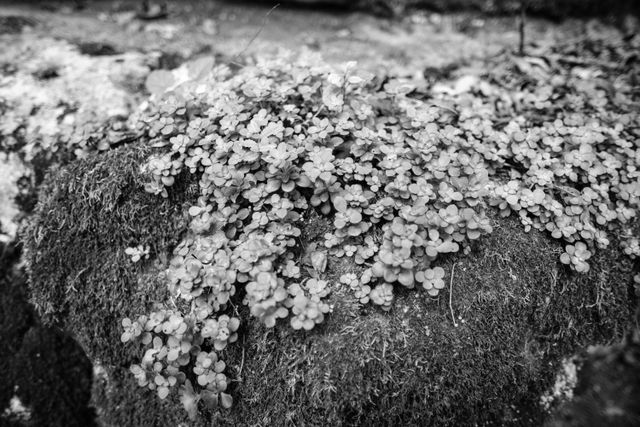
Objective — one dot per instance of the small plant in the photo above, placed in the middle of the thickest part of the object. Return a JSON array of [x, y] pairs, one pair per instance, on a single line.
[[432, 280], [137, 253], [576, 256], [382, 295]]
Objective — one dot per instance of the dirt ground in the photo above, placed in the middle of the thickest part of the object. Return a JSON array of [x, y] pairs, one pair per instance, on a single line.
[[229, 29]]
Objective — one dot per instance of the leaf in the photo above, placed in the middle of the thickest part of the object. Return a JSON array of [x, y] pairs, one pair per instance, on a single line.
[[340, 203], [189, 400], [159, 81], [226, 400], [406, 278], [340, 223], [332, 97], [234, 323], [399, 87], [473, 234], [210, 399], [512, 199], [272, 185], [173, 354], [200, 68], [163, 392], [318, 260], [355, 216], [195, 210]]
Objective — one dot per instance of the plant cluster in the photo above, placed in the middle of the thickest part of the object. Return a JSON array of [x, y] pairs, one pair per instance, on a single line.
[[268, 144], [568, 151], [402, 180], [136, 253]]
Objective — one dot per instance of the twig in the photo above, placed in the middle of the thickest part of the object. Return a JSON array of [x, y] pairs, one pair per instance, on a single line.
[[255, 36], [453, 317], [317, 112], [241, 363], [572, 60], [521, 27]]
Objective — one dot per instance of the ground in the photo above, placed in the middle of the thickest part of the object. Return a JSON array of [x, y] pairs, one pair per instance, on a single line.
[[515, 312]]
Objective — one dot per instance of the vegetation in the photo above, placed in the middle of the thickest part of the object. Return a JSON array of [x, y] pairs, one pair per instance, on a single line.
[[519, 316], [290, 189]]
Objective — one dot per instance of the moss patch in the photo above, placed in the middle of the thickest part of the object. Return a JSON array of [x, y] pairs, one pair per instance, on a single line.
[[88, 214], [518, 313]]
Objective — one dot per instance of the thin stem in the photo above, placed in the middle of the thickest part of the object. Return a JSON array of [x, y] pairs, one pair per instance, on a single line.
[[453, 317], [521, 26], [255, 36]]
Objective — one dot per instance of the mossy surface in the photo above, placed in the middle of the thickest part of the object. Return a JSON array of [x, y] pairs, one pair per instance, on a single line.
[[522, 313], [87, 215], [518, 311]]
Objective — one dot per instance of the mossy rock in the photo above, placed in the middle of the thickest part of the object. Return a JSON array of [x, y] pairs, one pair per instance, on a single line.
[[518, 312]]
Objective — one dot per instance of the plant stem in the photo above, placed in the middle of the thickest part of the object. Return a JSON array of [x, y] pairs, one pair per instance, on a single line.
[[521, 26], [453, 317]]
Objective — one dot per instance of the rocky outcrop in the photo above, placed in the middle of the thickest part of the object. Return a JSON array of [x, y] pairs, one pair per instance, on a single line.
[[483, 352]]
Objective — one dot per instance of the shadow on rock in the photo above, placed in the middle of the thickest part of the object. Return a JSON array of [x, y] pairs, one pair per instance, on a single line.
[[45, 377]]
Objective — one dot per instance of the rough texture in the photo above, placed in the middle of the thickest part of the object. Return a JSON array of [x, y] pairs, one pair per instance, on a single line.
[[89, 213], [518, 313]]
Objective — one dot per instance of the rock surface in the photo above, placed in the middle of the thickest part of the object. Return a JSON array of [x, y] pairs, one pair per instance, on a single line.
[[518, 314]]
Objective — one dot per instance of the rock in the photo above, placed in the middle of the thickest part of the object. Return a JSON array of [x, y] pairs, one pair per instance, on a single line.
[[410, 366]]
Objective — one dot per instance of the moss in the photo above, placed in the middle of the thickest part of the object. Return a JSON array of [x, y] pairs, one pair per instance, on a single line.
[[520, 311], [87, 215]]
